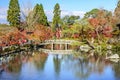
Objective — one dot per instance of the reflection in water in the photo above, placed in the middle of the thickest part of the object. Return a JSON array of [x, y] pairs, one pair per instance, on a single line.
[[15, 64], [57, 64], [40, 60], [117, 70], [41, 66]]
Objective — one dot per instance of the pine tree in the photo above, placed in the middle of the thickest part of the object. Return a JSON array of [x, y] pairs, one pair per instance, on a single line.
[[56, 17], [43, 18], [36, 12], [13, 13], [117, 17], [39, 15], [117, 12]]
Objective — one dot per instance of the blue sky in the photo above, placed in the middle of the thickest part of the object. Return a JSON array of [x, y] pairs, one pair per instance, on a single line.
[[68, 7]]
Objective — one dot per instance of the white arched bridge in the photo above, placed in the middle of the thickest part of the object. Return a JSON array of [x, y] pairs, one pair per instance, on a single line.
[[58, 41]]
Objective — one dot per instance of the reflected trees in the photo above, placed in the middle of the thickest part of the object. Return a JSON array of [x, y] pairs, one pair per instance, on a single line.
[[57, 64]]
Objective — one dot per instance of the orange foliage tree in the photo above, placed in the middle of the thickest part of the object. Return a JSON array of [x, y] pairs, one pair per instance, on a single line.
[[41, 33], [101, 26], [13, 38]]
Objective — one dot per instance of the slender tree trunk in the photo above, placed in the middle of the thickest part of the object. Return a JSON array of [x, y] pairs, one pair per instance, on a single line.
[[98, 36]]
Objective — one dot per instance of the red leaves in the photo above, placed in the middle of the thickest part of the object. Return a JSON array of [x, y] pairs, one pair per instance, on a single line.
[[13, 38], [76, 35], [94, 22], [93, 34], [42, 33], [100, 23], [107, 31], [58, 33], [108, 28]]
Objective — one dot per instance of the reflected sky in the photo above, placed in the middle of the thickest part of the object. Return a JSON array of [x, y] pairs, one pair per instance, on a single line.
[[42, 66]]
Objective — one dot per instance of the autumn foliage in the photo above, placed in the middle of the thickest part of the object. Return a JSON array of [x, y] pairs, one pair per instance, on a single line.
[[41, 33], [13, 38], [102, 26]]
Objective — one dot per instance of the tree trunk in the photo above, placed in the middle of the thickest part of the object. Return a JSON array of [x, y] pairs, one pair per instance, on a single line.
[[98, 36]]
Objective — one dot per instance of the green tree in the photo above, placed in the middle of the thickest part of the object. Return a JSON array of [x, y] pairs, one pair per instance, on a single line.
[[38, 15], [32, 18], [117, 12], [36, 12], [116, 31], [43, 18], [70, 20], [13, 13], [56, 17], [91, 14]]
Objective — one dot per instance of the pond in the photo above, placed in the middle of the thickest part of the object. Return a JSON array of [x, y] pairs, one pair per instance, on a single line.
[[43, 66]]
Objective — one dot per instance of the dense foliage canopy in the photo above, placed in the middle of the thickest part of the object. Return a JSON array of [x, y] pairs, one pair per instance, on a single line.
[[56, 17], [13, 16]]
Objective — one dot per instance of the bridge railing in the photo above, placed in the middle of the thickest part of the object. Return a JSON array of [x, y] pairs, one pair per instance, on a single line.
[[59, 41]]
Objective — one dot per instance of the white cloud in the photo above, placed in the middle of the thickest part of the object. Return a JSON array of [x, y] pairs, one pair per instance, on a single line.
[[49, 13], [65, 12], [76, 13], [3, 15]]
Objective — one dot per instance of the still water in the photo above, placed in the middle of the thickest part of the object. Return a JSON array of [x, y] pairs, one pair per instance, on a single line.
[[42, 66]]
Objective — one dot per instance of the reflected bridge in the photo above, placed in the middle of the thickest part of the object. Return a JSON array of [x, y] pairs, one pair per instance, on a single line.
[[56, 51]]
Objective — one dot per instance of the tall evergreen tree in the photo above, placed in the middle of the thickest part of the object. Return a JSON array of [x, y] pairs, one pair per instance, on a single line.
[[36, 12], [13, 13], [43, 18], [39, 15], [117, 17], [117, 12], [56, 17]]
